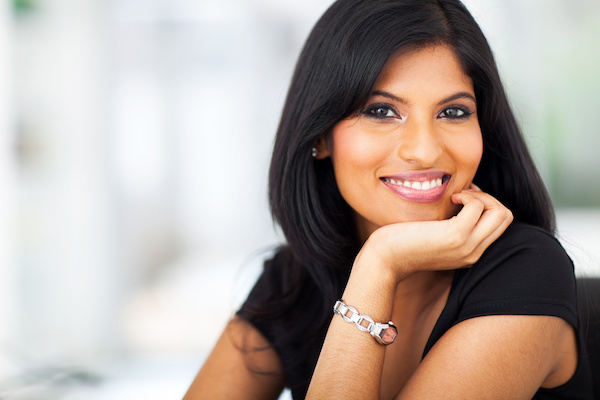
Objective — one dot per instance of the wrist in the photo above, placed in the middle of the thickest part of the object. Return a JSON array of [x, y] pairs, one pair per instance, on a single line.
[[373, 274], [383, 333], [372, 285], [385, 255]]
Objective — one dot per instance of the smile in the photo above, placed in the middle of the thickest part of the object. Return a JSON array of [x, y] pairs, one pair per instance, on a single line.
[[418, 188], [426, 185]]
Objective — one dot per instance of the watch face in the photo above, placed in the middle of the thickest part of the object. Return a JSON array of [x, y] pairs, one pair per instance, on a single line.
[[388, 335]]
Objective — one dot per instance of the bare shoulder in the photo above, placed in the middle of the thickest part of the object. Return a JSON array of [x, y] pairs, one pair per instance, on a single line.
[[242, 365]]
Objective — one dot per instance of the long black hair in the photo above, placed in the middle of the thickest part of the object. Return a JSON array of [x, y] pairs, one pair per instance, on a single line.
[[334, 77]]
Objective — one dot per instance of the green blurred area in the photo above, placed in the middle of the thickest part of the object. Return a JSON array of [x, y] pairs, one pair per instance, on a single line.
[[23, 6], [549, 60], [570, 124]]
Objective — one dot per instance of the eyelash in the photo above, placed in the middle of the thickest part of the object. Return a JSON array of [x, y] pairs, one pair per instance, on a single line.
[[370, 112], [466, 112]]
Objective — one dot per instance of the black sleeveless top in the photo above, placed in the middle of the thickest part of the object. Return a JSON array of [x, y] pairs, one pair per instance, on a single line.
[[525, 272]]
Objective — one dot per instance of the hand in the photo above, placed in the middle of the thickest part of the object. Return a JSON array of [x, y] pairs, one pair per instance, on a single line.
[[460, 241]]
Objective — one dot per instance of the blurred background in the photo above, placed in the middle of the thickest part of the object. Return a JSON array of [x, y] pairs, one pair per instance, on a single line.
[[134, 145]]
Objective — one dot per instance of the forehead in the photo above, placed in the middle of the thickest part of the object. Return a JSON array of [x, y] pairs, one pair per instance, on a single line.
[[431, 68]]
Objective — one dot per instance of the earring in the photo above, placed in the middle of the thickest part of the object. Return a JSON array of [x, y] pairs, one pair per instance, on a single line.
[[314, 152]]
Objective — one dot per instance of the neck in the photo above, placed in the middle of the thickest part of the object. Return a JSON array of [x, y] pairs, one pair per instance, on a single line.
[[420, 291]]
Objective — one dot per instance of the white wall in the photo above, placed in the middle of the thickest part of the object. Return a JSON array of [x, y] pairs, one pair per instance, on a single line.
[[8, 289]]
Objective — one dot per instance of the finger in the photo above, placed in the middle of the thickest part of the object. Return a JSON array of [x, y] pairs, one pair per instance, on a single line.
[[494, 209], [471, 212], [492, 220], [488, 240], [488, 200], [495, 213]]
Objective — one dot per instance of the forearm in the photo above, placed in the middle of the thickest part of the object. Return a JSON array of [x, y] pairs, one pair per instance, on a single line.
[[351, 361]]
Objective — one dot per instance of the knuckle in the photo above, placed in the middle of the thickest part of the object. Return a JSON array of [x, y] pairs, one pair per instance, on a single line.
[[500, 215], [479, 204], [472, 258], [466, 251], [464, 254], [509, 215]]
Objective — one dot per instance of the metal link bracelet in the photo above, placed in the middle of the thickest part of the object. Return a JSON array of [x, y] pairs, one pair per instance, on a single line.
[[383, 333]]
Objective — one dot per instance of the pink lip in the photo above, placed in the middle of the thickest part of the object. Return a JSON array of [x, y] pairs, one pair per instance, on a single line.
[[417, 195]]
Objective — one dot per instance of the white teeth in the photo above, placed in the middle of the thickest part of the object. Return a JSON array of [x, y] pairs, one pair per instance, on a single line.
[[416, 185]]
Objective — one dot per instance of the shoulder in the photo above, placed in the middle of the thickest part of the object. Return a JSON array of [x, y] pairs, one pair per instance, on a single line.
[[522, 239], [286, 308], [525, 251], [283, 298], [278, 275], [526, 271]]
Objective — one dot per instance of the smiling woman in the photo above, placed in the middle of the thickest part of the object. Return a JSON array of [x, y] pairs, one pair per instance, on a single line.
[[395, 117], [418, 128]]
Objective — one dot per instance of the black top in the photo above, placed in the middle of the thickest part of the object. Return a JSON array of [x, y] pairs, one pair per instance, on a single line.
[[525, 272]]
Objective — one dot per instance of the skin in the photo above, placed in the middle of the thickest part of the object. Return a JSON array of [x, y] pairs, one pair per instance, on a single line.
[[225, 374], [404, 270], [406, 127]]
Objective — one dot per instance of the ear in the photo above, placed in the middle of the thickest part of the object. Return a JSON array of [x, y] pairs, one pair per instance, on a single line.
[[322, 146]]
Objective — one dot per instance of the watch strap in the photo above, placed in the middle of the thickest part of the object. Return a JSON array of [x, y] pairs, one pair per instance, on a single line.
[[383, 333]]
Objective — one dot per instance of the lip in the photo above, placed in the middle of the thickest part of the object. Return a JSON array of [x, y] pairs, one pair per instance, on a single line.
[[418, 195]]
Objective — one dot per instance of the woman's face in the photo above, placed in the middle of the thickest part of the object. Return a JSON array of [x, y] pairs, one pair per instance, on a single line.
[[415, 143]]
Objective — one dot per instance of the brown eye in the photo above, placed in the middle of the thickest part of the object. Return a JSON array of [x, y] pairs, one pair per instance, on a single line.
[[455, 113], [380, 112]]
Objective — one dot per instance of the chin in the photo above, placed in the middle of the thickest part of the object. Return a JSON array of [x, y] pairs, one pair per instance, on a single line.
[[412, 213], [424, 213]]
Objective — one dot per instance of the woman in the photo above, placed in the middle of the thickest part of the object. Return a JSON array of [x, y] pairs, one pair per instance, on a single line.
[[394, 110]]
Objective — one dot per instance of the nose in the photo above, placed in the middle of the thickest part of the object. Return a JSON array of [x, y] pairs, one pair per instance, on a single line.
[[419, 143]]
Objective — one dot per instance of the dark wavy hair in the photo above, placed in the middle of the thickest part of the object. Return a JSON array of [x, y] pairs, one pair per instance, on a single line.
[[334, 77]]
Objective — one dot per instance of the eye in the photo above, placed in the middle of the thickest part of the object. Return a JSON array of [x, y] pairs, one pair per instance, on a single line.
[[455, 113], [380, 111]]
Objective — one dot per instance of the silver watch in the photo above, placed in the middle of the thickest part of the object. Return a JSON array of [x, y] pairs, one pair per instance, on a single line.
[[383, 333]]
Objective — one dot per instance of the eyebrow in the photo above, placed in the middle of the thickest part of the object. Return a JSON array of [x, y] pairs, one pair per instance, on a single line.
[[456, 96], [389, 96], [459, 95]]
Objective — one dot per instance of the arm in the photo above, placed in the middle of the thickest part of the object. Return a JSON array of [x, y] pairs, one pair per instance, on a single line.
[[350, 364], [225, 374], [496, 357], [491, 357]]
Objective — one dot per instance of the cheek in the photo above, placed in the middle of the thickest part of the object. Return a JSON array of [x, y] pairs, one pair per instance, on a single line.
[[354, 149], [470, 151]]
